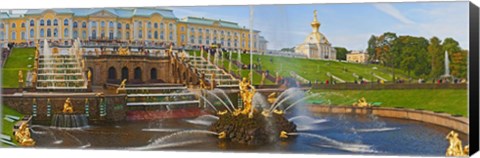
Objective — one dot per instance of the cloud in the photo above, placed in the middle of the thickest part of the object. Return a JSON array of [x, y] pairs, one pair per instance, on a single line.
[[392, 11]]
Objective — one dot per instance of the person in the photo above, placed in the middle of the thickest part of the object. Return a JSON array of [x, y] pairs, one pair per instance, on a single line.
[[326, 82]]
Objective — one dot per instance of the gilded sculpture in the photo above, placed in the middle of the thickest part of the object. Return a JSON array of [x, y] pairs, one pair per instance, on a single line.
[[121, 87], [362, 102], [23, 137], [455, 148], [67, 106]]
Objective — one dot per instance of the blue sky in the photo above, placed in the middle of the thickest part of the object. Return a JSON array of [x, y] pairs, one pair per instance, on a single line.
[[345, 25]]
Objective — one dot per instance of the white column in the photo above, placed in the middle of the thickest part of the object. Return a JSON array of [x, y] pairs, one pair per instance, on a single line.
[[115, 30]]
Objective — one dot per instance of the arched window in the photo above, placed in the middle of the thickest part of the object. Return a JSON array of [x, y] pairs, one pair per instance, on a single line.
[[119, 25], [94, 34], [14, 25], [161, 26], [84, 25], [149, 34], [32, 23], [23, 25], [102, 34], [75, 34], [153, 74], [192, 30], [207, 41], [149, 25], [110, 24], [182, 28], [2, 25], [127, 35], [23, 35], [102, 24], [65, 22], [55, 33], [155, 25], [161, 35], [75, 24], [200, 40], [155, 35], [124, 73], [110, 35], [49, 33], [207, 31], [84, 34], [42, 22], [14, 35], [170, 26], [192, 39], [127, 26], [137, 74], [55, 22], [170, 36], [182, 38], [49, 22], [119, 34], [112, 73], [42, 33], [140, 34], [65, 32], [228, 42], [32, 33], [2, 35], [94, 24]]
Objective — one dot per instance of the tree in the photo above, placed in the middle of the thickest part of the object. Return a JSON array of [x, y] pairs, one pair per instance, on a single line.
[[436, 55], [372, 46], [457, 57], [341, 53], [412, 54], [288, 49]]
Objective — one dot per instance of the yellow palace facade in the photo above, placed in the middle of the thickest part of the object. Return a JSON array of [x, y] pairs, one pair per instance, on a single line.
[[141, 25]]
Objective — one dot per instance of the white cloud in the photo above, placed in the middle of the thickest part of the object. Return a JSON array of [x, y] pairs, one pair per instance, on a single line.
[[392, 11]]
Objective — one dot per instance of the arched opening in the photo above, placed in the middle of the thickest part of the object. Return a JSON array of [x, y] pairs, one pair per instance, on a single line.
[[112, 73], [153, 74], [124, 73], [137, 74]]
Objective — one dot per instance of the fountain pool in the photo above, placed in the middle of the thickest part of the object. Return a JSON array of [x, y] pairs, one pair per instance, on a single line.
[[320, 134]]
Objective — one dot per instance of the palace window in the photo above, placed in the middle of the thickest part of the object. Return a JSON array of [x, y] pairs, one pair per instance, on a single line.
[[192, 30], [119, 25], [127, 26], [182, 37], [110, 24], [65, 22], [42, 33], [55, 33], [14, 25], [32, 23], [155, 34], [102, 34], [110, 35], [222, 41], [140, 24], [75, 24], [32, 33], [182, 29], [94, 34], [2, 25], [23, 35], [170, 36], [155, 25], [2, 35], [214, 32], [94, 24], [84, 34], [137, 73], [170, 26], [192, 39], [161, 26], [55, 22], [42, 22], [228, 42], [140, 34], [149, 25], [207, 31], [215, 40], [84, 25], [119, 34], [200, 40], [228, 33], [102, 24], [161, 35], [199, 30], [49, 22], [235, 43], [222, 33], [49, 33], [127, 35], [14, 35], [235, 34], [207, 41], [65, 32], [23, 25], [75, 34], [149, 34]]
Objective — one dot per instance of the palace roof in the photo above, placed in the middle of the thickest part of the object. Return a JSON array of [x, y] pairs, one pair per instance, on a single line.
[[119, 12]]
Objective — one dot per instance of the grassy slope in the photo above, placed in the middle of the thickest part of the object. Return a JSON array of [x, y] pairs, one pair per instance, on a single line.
[[8, 126], [446, 100], [18, 60], [317, 69]]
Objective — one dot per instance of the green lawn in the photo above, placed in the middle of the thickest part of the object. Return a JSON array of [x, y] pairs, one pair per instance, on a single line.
[[7, 127], [20, 59], [317, 69], [446, 100]]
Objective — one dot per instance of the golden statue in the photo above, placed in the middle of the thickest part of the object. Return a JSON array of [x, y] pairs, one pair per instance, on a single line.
[[213, 84], [67, 107], [283, 135], [34, 77], [455, 147], [246, 93], [121, 88], [272, 97], [23, 137], [20, 76], [362, 102], [89, 75], [55, 51], [222, 135]]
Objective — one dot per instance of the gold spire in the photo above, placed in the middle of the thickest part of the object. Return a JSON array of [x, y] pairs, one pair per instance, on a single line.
[[315, 24]]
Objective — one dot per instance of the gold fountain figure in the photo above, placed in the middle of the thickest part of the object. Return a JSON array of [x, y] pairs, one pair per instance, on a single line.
[[362, 102], [89, 75], [121, 88], [20, 76], [67, 107], [455, 147], [246, 93], [283, 135], [23, 137]]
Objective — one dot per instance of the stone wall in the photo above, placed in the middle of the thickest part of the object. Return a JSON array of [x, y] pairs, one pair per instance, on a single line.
[[460, 124], [23, 103]]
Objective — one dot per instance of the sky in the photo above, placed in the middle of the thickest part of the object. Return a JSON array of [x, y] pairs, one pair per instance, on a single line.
[[345, 25]]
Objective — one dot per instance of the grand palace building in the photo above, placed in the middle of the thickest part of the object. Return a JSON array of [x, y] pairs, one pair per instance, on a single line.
[[148, 26]]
